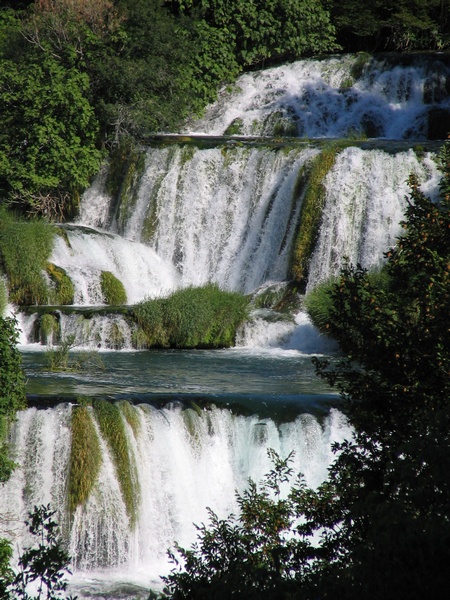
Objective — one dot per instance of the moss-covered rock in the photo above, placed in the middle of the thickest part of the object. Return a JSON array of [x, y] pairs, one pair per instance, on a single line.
[[63, 290], [112, 428], [311, 212], [113, 289]]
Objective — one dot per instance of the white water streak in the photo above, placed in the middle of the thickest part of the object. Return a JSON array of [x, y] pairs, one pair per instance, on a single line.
[[365, 201]]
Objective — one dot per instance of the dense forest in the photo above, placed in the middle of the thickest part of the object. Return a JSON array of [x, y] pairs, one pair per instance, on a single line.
[[80, 78]]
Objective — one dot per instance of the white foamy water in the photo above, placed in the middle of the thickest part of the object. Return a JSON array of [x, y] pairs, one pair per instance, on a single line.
[[365, 201], [185, 461], [322, 98], [143, 273]]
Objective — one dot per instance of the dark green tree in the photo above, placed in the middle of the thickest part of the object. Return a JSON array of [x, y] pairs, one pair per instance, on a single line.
[[44, 566]]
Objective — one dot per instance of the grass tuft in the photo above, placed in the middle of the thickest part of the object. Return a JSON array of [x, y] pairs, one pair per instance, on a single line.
[[85, 457], [205, 317], [25, 247], [109, 418]]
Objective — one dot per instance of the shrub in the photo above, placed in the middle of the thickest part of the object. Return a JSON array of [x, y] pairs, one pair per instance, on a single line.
[[25, 247], [205, 317]]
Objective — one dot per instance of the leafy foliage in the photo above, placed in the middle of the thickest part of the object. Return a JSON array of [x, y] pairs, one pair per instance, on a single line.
[[44, 565], [251, 557]]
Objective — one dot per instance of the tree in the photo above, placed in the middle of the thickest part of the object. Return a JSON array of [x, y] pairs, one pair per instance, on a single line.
[[43, 565], [47, 141]]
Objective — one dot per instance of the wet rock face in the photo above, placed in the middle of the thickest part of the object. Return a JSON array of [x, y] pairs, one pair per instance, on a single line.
[[438, 124]]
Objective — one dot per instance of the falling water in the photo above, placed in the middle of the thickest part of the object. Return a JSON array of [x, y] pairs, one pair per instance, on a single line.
[[185, 459], [227, 214]]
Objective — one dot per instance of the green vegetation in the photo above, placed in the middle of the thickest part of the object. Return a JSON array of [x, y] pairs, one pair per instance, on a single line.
[[63, 291], [131, 416], [59, 358], [25, 247], [311, 212], [3, 296], [205, 317], [112, 428], [378, 526], [85, 457], [42, 567], [48, 327], [112, 289], [80, 79]]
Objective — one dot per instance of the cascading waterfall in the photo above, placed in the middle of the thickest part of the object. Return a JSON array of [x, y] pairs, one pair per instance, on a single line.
[[227, 213], [186, 459], [335, 98]]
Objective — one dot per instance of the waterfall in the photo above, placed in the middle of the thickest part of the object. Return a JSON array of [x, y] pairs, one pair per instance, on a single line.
[[223, 210], [335, 98], [185, 459]]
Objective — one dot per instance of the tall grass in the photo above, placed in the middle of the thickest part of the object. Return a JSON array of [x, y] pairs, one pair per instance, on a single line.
[[311, 213], [205, 317], [112, 428], [85, 457], [25, 247], [318, 303]]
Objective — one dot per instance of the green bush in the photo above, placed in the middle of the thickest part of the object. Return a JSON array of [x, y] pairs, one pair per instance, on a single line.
[[205, 317], [112, 289], [25, 247], [85, 457], [12, 388], [318, 304]]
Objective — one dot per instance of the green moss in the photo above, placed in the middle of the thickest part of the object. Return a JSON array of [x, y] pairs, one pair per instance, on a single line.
[[112, 289], [126, 167], [25, 247], [3, 296], [358, 66], [205, 317], [109, 418], [85, 457], [63, 291], [131, 416], [234, 128], [115, 339], [311, 213]]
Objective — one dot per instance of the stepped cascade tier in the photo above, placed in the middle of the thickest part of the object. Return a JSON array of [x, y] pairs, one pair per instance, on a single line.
[[292, 172]]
